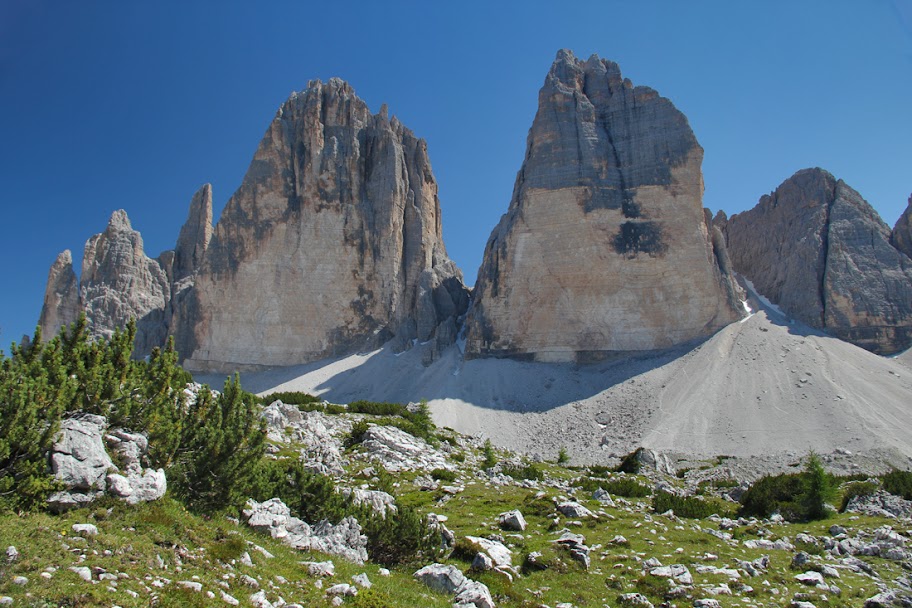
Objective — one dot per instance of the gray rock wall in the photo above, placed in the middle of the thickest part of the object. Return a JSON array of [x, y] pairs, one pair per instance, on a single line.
[[817, 249]]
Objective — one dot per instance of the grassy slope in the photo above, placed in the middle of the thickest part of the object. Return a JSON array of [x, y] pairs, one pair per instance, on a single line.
[[131, 539]]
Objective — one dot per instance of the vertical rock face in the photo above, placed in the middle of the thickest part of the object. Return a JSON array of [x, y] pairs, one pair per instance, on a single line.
[[605, 246], [61, 297], [901, 237], [120, 282], [817, 249], [332, 242], [194, 236]]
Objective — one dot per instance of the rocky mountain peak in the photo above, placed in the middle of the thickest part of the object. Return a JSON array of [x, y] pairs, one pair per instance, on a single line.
[[901, 237], [195, 235], [61, 297], [816, 248], [608, 199]]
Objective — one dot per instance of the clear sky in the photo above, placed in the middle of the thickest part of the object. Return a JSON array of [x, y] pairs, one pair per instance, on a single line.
[[134, 105]]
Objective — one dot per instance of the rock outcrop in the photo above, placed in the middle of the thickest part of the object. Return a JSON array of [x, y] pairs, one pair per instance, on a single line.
[[605, 246], [194, 237], [820, 252], [901, 237]]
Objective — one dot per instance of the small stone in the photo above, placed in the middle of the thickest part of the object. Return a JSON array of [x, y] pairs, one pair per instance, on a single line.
[[12, 554], [362, 581], [20, 580], [343, 589], [326, 568], [228, 599], [634, 600], [512, 520], [192, 585], [83, 572]]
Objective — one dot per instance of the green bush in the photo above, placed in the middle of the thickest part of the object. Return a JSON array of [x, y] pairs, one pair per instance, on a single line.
[[627, 487], [309, 495], [774, 494], [43, 381], [686, 506], [489, 457], [527, 470], [443, 475], [898, 483], [562, 456], [222, 441], [400, 538], [356, 436]]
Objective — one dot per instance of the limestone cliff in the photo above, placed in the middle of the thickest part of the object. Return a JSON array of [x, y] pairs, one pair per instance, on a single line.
[[817, 249], [605, 246], [61, 297], [333, 242]]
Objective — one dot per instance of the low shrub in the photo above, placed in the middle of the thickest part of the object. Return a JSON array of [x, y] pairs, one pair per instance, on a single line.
[[356, 436], [490, 458], [774, 494], [898, 483], [627, 487], [686, 506], [528, 470], [443, 475]]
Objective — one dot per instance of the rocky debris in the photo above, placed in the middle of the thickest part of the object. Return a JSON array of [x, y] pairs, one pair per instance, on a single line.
[[901, 236], [819, 251], [634, 600], [810, 577], [575, 544], [323, 569], [79, 461], [450, 581], [362, 580], [319, 435], [396, 450], [676, 572], [574, 510], [500, 556], [348, 200], [139, 484], [605, 246], [441, 578], [380, 502], [880, 504], [781, 544], [343, 589], [473, 595], [512, 520], [438, 523], [343, 539], [12, 554], [603, 497], [707, 603]]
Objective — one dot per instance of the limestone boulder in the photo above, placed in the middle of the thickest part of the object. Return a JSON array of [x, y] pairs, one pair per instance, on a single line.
[[605, 246], [820, 252]]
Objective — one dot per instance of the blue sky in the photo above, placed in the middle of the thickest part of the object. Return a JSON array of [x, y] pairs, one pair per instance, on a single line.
[[132, 105]]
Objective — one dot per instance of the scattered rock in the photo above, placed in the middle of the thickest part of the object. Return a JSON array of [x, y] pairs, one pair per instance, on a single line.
[[441, 578], [512, 520], [396, 450], [574, 510]]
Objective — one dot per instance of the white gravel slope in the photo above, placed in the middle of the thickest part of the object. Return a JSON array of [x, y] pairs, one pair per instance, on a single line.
[[762, 387]]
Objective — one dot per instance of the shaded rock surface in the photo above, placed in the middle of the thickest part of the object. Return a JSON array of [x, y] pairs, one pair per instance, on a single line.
[[820, 252], [901, 237], [605, 246]]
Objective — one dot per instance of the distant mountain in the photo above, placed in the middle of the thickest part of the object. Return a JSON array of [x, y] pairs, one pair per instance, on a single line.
[[817, 249]]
